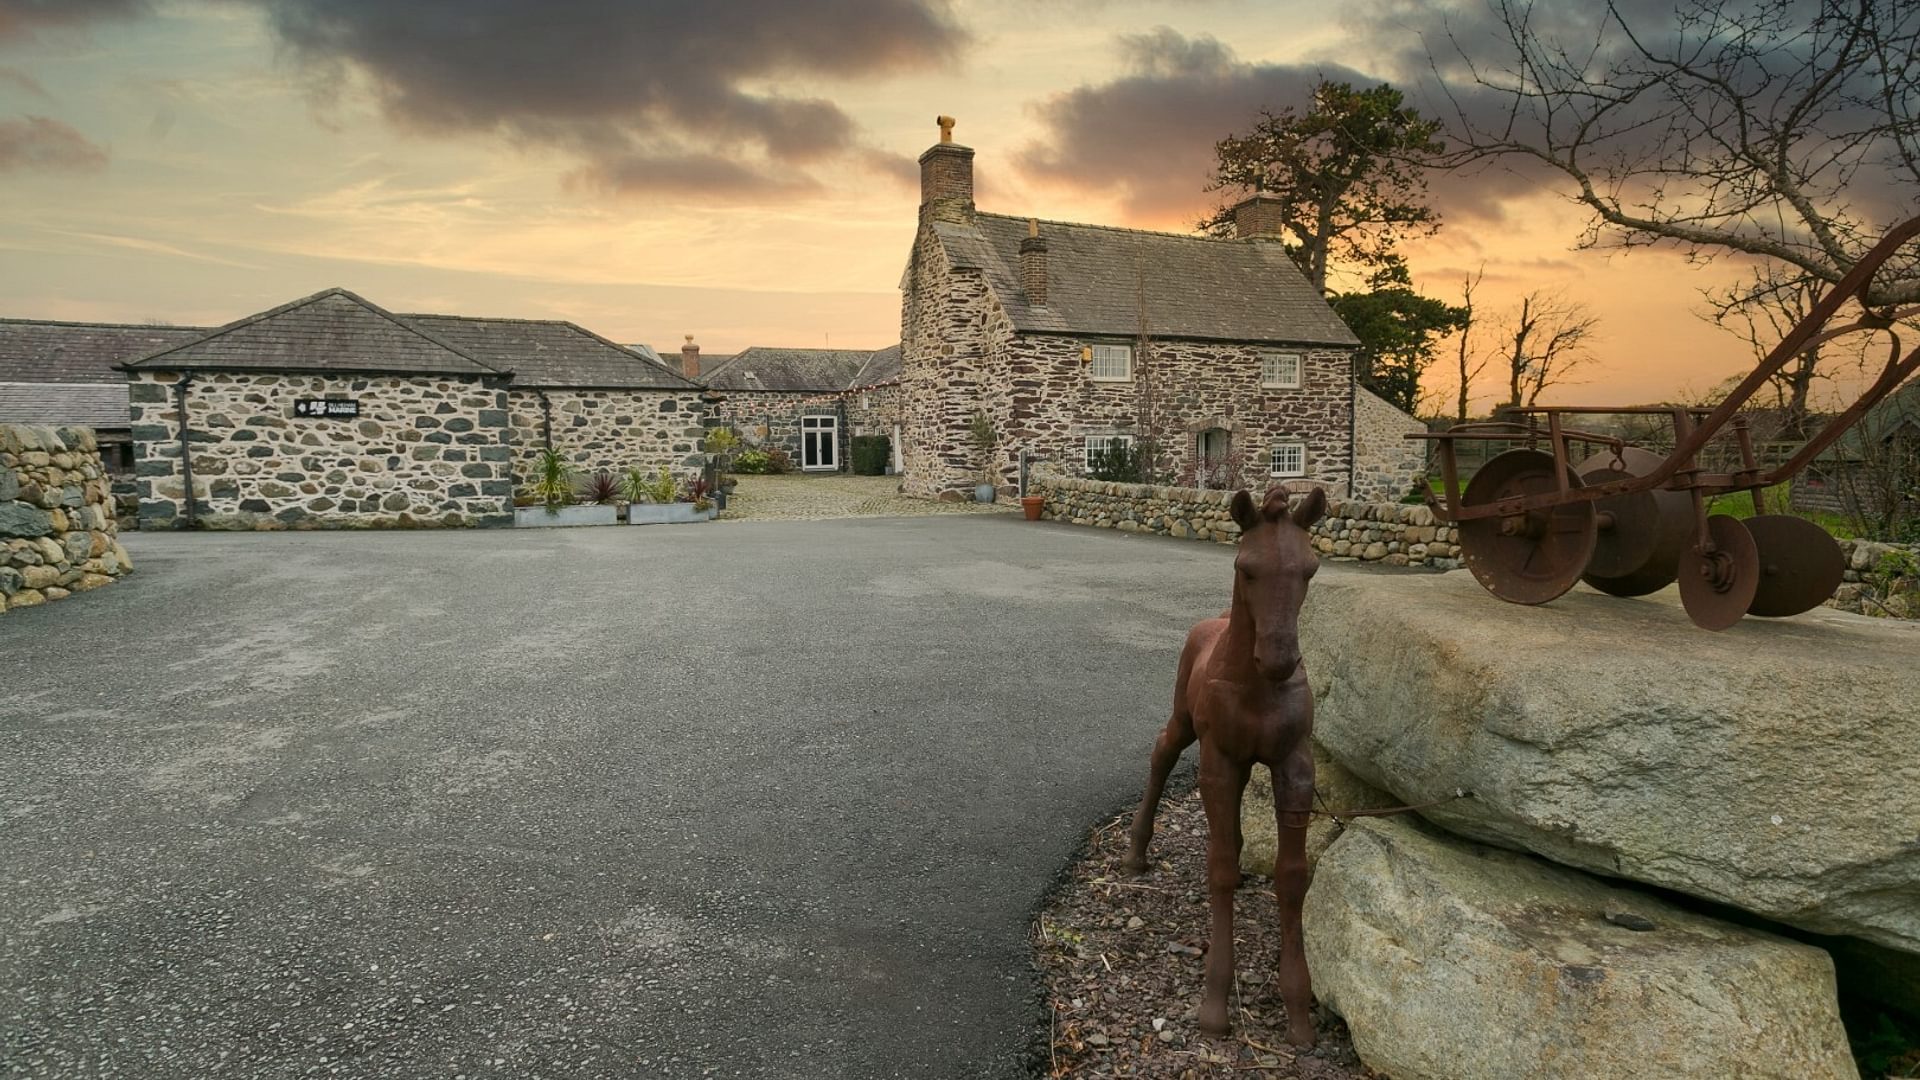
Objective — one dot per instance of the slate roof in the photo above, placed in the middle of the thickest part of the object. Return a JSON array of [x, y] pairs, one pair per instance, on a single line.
[[550, 353], [333, 330], [1195, 287], [762, 368], [91, 404], [882, 366], [36, 350], [1880, 423]]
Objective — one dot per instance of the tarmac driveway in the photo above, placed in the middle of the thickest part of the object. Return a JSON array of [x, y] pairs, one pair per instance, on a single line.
[[764, 799]]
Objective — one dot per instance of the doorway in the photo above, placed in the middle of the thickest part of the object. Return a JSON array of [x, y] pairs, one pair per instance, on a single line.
[[819, 443]]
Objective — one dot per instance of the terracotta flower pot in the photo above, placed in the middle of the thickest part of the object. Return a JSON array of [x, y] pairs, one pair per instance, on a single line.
[[1031, 505]]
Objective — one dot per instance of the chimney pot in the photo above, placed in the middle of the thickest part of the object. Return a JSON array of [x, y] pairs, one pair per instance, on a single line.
[[946, 179], [690, 359]]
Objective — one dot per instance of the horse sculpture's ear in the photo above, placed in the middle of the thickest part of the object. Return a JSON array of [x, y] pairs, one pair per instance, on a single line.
[[1242, 510], [1311, 508]]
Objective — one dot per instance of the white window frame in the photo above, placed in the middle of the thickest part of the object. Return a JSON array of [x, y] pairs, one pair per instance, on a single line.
[[1270, 361], [1100, 442], [825, 426], [1273, 459], [1108, 352]]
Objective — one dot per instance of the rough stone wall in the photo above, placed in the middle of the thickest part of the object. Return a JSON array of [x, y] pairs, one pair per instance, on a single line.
[[56, 516], [1387, 464], [771, 418], [1881, 579], [950, 328], [424, 451], [614, 430], [1179, 389], [1390, 533]]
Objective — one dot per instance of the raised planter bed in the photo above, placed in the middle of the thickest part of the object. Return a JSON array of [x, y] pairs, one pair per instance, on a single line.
[[677, 513], [539, 517]]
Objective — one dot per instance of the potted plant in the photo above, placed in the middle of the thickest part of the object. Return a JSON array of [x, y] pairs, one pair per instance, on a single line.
[[980, 430], [655, 500], [721, 443], [553, 495], [1032, 506]]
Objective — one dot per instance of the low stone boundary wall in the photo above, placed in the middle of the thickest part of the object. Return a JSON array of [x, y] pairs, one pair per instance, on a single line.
[[56, 516], [1881, 579], [1392, 533]]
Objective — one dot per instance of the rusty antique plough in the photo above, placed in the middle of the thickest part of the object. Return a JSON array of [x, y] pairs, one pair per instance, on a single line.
[[1630, 521]]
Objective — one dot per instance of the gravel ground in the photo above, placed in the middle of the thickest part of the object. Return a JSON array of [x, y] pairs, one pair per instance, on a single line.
[[1121, 958], [837, 495]]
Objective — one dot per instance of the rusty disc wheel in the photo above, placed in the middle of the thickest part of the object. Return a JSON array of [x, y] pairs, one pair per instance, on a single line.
[[1641, 535], [1718, 586], [1800, 565], [1530, 557]]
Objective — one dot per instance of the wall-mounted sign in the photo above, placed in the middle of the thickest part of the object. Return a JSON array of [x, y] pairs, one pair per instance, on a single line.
[[326, 407]]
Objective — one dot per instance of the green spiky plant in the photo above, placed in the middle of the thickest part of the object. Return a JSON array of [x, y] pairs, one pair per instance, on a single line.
[[552, 479]]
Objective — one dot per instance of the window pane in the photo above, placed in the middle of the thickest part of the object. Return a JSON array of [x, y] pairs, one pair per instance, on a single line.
[[1112, 362], [1280, 369]]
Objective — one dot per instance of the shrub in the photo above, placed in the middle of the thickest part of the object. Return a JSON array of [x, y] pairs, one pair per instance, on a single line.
[[602, 487], [1121, 462], [640, 487], [870, 454], [750, 461], [778, 461], [552, 478], [695, 490], [722, 441]]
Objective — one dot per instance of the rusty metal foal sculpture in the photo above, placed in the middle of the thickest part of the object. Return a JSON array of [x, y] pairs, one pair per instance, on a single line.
[[1243, 694]]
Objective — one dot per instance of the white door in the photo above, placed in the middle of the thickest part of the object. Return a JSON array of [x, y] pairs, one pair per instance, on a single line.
[[819, 442]]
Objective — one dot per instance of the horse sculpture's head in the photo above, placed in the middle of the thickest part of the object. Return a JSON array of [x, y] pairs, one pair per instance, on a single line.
[[1271, 572]]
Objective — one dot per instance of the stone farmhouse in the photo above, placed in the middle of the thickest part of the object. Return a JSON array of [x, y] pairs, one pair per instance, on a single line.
[[331, 411], [1069, 338]]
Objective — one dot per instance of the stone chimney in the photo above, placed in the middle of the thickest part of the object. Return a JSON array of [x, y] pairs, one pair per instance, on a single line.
[[946, 179], [1033, 265], [690, 359], [1257, 217]]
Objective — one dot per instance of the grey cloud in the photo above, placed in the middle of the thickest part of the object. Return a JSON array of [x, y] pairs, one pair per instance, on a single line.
[[35, 143], [622, 83], [1148, 136], [23, 82], [21, 18]]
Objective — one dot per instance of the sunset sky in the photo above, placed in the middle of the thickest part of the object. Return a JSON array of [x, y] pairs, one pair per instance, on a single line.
[[742, 171]]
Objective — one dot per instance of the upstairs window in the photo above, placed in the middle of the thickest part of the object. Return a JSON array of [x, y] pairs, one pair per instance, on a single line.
[[1111, 363], [1280, 371], [1101, 443], [1288, 459]]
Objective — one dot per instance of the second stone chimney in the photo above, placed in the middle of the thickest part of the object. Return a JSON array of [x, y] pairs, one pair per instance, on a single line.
[[690, 359], [1033, 265], [1257, 217], [946, 179]]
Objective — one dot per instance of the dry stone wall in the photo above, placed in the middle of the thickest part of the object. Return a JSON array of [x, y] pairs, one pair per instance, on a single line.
[[423, 451], [1880, 579], [614, 430], [1390, 533], [56, 516]]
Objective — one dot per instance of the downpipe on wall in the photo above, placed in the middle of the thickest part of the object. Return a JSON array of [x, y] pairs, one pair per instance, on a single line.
[[186, 449]]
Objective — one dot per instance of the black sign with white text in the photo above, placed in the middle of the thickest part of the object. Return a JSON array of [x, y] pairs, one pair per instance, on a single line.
[[326, 407]]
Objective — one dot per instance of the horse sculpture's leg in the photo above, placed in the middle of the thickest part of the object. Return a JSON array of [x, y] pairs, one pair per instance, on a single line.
[[1166, 751], [1292, 808], [1222, 781]]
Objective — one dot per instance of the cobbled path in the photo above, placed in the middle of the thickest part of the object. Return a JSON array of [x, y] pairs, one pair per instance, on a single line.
[[816, 498]]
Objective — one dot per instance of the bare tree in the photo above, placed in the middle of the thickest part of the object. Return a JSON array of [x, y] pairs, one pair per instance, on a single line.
[[1783, 129], [1761, 312], [1549, 336], [1470, 368]]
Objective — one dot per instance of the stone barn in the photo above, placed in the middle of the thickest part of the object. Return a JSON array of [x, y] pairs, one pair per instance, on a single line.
[[1071, 338], [329, 411]]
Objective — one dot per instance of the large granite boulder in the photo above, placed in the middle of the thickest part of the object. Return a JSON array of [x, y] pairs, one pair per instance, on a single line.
[[1338, 790], [1770, 767], [1453, 961]]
